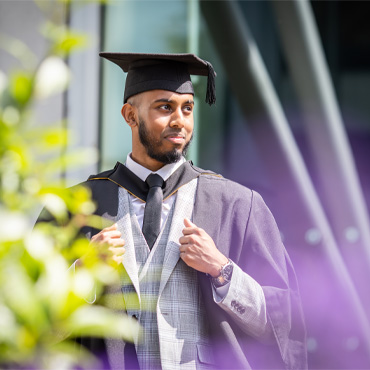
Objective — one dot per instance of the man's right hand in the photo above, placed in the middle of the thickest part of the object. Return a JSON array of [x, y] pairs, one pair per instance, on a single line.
[[109, 244]]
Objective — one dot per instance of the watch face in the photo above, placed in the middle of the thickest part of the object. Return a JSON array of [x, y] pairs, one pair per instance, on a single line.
[[227, 272]]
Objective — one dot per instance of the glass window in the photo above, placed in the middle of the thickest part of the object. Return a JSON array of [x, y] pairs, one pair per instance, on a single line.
[[161, 28]]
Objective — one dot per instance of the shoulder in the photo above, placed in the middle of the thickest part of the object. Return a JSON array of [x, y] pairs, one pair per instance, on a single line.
[[99, 182], [102, 175], [212, 182]]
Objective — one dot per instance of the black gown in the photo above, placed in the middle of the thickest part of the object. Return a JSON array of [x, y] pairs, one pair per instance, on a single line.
[[244, 230]]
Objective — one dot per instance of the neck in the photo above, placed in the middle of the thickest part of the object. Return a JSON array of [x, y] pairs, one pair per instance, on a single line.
[[147, 162]]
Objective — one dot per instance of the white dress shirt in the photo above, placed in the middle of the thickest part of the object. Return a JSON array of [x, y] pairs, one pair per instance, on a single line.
[[165, 172]]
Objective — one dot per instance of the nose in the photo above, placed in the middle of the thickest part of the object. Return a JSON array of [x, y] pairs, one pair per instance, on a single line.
[[177, 118]]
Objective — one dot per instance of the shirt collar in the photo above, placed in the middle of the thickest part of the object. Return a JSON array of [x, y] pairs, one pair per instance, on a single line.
[[165, 172]]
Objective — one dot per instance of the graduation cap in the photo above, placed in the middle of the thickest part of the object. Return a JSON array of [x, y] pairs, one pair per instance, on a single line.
[[164, 72]]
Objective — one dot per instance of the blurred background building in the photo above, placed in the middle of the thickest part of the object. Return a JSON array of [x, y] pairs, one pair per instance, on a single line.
[[291, 121]]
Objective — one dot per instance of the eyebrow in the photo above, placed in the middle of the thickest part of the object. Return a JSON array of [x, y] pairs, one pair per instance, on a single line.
[[163, 100]]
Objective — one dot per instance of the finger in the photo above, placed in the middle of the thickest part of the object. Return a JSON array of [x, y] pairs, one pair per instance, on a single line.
[[116, 243], [189, 228], [184, 240], [113, 234], [118, 259], [104, 231], [188, 223], [186, 231], [117, 251], [106, 236], [112, 227]]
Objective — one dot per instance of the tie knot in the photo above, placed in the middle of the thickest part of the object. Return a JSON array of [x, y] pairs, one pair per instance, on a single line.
[[154, 180]]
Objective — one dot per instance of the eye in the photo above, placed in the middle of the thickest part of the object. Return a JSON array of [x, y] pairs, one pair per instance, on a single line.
[[188, 108], [165, 107]]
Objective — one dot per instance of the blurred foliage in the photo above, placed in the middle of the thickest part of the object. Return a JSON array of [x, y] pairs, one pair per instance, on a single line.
[[43, 296], [63, 40]]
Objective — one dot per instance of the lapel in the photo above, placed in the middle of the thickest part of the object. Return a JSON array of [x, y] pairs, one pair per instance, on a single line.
[[183, 208], [124, 222]]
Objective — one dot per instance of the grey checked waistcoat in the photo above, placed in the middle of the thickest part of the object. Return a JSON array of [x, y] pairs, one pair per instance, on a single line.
[[163, 292]]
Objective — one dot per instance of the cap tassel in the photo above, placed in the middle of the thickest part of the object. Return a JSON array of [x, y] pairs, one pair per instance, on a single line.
[[211, 85]]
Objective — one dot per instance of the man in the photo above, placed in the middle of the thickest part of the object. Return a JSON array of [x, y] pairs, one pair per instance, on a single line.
[[206, 274]]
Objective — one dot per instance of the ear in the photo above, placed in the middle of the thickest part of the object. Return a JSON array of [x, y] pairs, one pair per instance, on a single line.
[[129, 113]]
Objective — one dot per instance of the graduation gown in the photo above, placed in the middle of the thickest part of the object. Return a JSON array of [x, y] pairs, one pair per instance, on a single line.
[[244, 230]]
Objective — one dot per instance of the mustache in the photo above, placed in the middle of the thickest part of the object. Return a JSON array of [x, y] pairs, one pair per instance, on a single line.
[[173, 132]]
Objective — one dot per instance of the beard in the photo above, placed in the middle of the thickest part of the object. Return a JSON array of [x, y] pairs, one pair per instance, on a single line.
[[152, 146]]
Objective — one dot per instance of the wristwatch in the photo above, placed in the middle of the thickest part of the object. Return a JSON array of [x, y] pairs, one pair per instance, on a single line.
[[226, 272]]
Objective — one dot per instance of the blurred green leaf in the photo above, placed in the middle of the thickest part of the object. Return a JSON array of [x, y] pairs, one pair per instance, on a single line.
[[63, 40], [18, 50], [67, 355], [21, 298], [21, 85], [101, 322]]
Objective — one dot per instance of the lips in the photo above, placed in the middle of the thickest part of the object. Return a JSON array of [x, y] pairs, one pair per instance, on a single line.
[[175, 138]]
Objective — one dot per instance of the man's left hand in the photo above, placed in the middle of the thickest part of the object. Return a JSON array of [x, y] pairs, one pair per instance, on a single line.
[[198, 250]]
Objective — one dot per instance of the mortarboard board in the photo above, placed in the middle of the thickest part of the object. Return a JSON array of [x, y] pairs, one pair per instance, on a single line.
[[164, 72]]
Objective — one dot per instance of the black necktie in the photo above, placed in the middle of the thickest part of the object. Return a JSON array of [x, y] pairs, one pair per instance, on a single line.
[[153, 209]]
